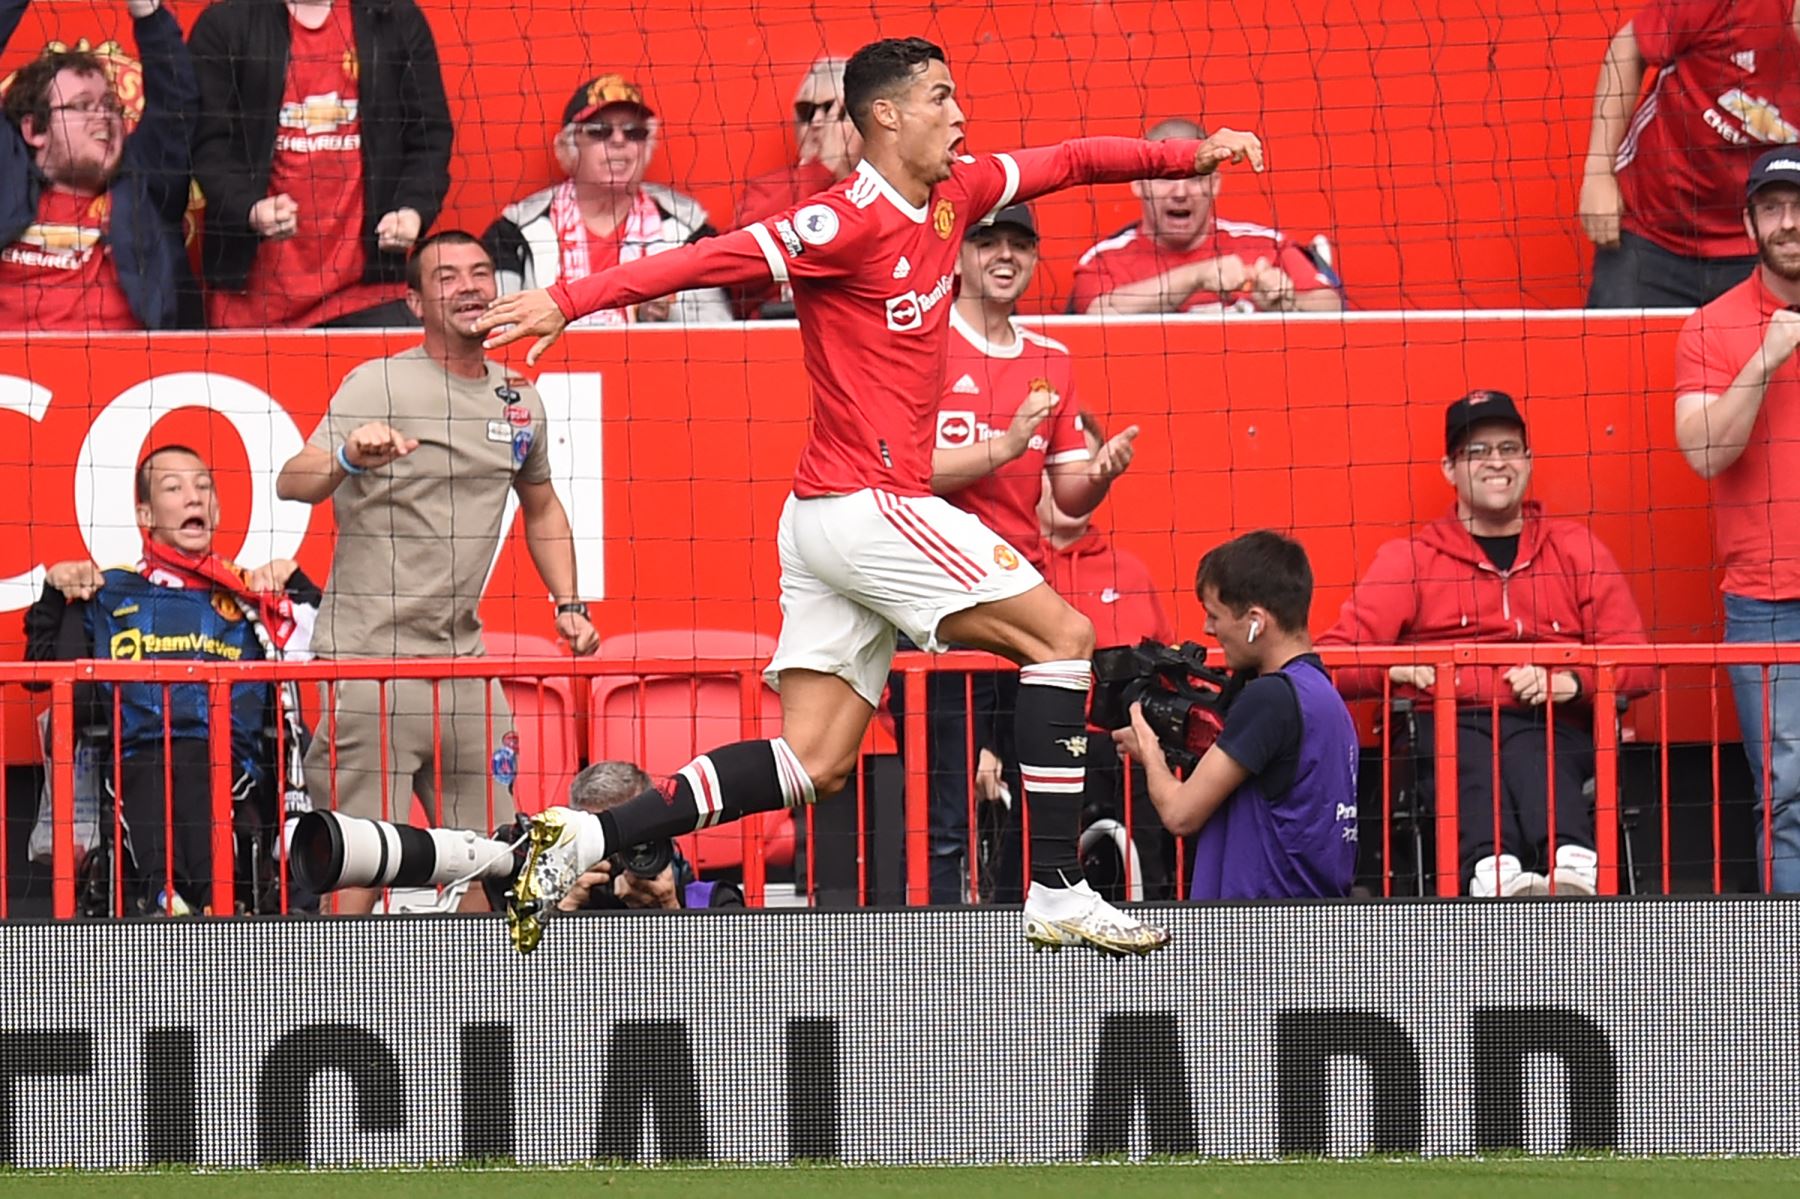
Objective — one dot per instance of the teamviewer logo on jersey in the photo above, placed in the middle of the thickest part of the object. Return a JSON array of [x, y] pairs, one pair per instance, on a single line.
[[906, 313], [955, 429]]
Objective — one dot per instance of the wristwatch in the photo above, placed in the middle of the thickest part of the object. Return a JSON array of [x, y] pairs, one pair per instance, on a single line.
[[575, 606]]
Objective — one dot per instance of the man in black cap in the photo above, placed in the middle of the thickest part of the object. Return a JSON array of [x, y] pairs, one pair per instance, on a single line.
[[604, 213], [1008, 423], [1737, 420], [1496, 568]]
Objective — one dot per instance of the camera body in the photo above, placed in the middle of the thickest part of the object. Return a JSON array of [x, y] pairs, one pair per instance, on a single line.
[[1184, 699]]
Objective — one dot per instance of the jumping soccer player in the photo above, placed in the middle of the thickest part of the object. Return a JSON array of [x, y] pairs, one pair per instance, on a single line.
[[865, 547]]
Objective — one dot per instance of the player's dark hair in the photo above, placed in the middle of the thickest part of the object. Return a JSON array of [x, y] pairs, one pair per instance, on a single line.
[[1264, 570], [149, 460], [29, 95], [415, 262], [883, 68]]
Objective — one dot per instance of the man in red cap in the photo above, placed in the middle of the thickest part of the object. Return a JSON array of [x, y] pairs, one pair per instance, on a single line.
[[1496, 568], [603, 214]]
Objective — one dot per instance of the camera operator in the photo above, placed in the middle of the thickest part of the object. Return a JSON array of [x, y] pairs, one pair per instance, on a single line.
[[613, 883], [1273, 801]]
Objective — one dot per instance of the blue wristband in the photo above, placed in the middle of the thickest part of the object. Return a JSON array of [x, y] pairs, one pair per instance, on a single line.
[[350, 468]]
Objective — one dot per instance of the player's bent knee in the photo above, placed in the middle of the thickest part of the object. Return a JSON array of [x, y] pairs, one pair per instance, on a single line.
[[829, 773], [1073, 638]]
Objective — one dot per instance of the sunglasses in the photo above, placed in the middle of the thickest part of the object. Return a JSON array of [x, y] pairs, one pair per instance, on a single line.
[[602, 131], [806, 110]]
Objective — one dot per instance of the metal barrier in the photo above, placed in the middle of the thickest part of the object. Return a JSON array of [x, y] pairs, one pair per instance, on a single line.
[[912, 732]]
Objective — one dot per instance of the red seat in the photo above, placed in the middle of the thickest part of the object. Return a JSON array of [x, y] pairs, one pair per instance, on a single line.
[[544, 718], [661, 721]]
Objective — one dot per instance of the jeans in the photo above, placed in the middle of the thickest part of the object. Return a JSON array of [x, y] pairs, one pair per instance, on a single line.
[[1773, 621], [1638, 273]]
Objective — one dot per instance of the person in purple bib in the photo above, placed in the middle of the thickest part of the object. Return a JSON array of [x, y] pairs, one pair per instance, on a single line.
[[1273, 801]]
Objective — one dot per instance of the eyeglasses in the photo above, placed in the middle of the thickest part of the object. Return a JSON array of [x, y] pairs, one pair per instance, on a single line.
[[806, 110], [602, 131], [1478, 451], [105, 106], [1774, 207]]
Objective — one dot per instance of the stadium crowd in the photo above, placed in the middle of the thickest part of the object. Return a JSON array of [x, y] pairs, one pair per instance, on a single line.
[[319, 135]]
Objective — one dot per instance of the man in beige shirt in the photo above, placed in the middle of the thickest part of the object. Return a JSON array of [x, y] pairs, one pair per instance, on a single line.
[[419, 452]]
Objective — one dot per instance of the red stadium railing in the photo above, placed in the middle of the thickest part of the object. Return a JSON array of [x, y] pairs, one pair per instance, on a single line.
[[912, 670]]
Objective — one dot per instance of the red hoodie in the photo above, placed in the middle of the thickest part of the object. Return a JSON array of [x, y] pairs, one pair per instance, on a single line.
[[1438, 587], [1111, 587]]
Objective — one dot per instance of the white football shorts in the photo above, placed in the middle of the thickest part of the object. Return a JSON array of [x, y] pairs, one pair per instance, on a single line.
[[856, 567]]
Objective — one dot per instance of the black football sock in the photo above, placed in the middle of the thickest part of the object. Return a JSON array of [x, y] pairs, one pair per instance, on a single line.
[[719, 787], [1052, 747]]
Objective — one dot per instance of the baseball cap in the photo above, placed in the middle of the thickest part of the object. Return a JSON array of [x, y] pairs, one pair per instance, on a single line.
[[596, 94], [1012, 214], [1476, 408], [1780, 165]]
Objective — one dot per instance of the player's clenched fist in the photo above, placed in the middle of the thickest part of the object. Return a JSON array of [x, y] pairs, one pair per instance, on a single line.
[[376, 444], [1228, 145]]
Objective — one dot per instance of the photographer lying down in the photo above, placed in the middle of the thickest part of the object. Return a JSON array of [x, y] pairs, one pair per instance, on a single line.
[[646, 876], [1273, 800]]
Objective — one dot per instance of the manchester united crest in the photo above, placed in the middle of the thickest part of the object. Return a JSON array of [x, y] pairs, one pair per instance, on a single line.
[[1005, 559], [943, 218]]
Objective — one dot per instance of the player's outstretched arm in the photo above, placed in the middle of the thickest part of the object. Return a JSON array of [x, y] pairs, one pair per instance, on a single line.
[[1045, 169], [734, 259]]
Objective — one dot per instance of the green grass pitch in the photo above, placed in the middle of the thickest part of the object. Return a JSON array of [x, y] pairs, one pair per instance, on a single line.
[[1528, 1178]]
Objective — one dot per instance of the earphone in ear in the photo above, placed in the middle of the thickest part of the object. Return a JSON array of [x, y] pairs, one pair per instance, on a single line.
[[1255, 628]]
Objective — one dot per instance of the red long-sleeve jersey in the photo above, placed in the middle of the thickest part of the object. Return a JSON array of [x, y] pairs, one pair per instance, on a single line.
[[873, 278]]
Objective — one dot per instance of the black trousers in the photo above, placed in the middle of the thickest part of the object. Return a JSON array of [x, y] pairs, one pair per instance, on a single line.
[[1638, 273], [990, 699], [154, 828], [1525, 774]]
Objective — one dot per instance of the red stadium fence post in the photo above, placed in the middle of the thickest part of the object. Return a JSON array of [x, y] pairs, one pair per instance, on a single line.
[[218, 731], [918, 862], [62, 798], [5, 877], [749, 727], [1443, 713], [1606, 778]]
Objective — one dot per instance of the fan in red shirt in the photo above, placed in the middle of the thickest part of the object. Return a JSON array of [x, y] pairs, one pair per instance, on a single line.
[[1008, 411], [1737, 420], [865, 547], [1008, 415], [1181, 257], [1661, 196], [309, 268], [828, 149]]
